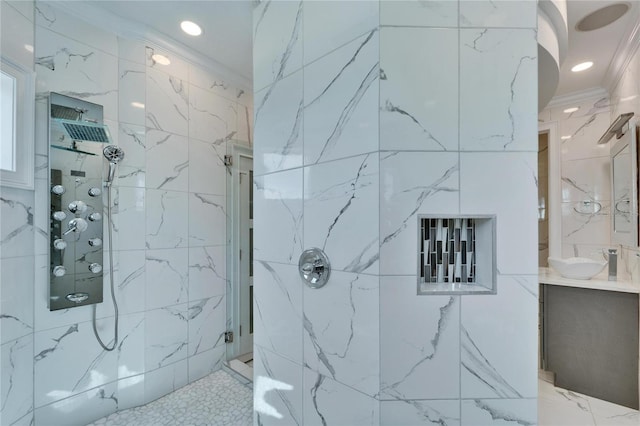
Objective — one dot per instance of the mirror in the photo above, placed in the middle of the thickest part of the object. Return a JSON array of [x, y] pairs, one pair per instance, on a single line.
[[624, 189], [76, 217]]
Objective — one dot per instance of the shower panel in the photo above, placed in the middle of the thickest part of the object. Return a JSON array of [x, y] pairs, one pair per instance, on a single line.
[[77, 138]]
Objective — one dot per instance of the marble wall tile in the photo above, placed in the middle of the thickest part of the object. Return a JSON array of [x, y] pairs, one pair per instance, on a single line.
[[207, 220], [486, 72], [210, 81], [41, 160], [590, 251], [326, 401], [166, 221], [177, 67], [41, 218], [341, 96], [212, 118], [207, 324], [412, 412], [158, 383], [341, 198], [16, 228], [132, 50], [207, 173], [498, 354], [131, 282], [501, 13], [83, 408], [15, 22], [129, 219], [497, 411], [131, 392], [207, 272], [418, 362], [68, 361], [507, 173], [416, 114], [279, 122], [131, 92], [588, 179], [348, 20], [429, 13], [588, 227], [131, 345], [16, 381], [76, 69], [52, 18], [277, 199], [412, 183], [277, 389], [167, 161], [341, 324], [167, 106], [278, 319], [166, 338], [277, 41], [166, 277], [25, 8], [16, 297], [207, 362], [245, 123], [584, 132], [132, 169]]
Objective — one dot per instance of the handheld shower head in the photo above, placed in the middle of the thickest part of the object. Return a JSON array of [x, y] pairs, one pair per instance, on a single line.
[[114, 155]]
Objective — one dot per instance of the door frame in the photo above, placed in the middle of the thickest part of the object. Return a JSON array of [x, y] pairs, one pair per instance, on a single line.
[[555, 187]]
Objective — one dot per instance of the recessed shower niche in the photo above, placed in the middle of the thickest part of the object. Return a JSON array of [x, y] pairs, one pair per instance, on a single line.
[[456, 255], [77, 138]]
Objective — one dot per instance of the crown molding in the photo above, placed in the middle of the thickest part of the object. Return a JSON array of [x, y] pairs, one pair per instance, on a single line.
[[623, 55], [573, 97], [126, 28]]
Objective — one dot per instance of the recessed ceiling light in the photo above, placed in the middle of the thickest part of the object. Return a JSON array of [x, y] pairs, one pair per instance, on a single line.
[[564, 138], [602, 17], [583, 66], [29, 47], [570, 110], [137, 104], [160, 59], [191, 28]]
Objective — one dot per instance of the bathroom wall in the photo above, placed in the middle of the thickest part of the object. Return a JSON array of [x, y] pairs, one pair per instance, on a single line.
[[585, 174], [174, 123], [358, 129], [16, 248]]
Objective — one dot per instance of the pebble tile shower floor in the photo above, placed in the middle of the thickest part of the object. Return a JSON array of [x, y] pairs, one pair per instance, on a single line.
[[217, 399]]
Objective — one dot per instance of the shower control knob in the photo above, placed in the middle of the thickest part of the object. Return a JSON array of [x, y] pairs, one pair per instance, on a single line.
[[95, 242], [59, 271], [60, 244], [95, 268], [59, 216], [58, 189], [95, 217], [77, 207], [94, 192], [76, 225]]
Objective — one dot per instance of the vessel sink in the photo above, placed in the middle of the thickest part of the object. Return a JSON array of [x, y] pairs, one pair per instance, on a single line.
[[577, 268]]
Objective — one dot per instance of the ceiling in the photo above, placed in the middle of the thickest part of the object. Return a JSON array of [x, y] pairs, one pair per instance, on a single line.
[[228, 33], [599, 46]]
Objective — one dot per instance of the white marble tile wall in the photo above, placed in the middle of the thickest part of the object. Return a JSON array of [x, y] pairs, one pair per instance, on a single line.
[[585, 174], [169, 228], [18, 233], [325, 179]]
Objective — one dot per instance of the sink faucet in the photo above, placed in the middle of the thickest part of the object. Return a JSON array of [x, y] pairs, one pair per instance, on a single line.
[[613, 264]]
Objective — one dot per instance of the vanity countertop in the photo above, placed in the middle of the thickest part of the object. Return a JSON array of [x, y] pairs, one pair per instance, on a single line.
[[599, 282]]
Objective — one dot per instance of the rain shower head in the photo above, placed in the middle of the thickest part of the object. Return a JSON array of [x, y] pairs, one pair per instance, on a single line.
[[85, 130], [114, 155]]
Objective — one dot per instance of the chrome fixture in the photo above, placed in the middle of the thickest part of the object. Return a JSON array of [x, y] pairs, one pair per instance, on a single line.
[[617, 128], [613, 264], [114, 155], [314, 267]]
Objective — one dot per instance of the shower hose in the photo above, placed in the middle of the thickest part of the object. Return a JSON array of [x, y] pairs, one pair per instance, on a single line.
[[113, 294]]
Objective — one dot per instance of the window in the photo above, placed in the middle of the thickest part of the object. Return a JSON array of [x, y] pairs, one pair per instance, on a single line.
[[16, 125]]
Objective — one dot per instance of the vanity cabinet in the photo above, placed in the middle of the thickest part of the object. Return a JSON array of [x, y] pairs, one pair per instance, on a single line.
[[590, 340]]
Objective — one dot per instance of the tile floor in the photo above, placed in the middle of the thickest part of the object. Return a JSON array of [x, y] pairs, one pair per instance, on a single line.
[[218, 399], [560, 407], [221, 399]]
